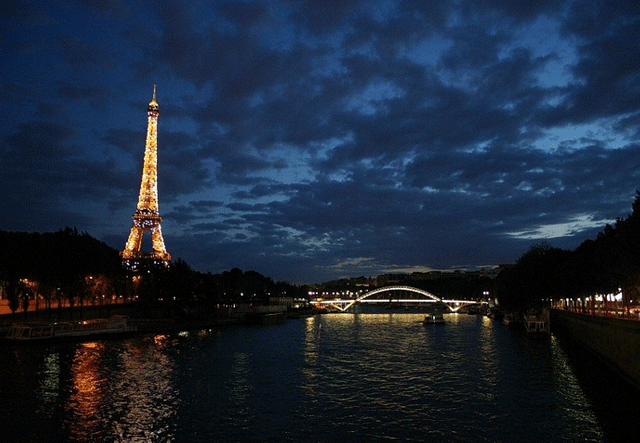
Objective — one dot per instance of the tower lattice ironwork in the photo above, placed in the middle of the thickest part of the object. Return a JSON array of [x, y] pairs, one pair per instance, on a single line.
[[147, 217]]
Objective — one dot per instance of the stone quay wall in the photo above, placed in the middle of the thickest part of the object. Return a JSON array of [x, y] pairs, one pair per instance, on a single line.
[[615, 341]]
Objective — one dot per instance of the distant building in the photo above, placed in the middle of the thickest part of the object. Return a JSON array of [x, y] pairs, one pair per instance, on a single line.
[[281, 301]]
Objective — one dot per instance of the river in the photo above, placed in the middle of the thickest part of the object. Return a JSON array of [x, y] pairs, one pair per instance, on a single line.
[[335, 377]]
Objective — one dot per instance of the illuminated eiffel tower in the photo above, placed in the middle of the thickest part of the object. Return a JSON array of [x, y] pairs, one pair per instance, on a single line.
[[147, 217]]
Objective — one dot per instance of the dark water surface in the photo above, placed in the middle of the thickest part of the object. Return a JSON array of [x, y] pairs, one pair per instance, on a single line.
[[337, 377]]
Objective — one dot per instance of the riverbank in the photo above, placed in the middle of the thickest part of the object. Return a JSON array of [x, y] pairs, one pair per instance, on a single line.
[[59, 314], [156, 324], [615, 341]]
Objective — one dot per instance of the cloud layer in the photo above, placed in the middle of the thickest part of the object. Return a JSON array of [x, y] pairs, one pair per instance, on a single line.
[[313, 139]]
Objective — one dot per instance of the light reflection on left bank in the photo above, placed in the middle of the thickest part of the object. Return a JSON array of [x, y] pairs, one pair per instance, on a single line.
[[111, 390], [143, 394], [86, 392]]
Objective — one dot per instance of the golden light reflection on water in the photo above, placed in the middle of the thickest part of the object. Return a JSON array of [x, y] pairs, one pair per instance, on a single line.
[[312, 337], [326, 378], [488, 359], [144, 392], [125, 390], [368, 350], [87, 391], [395, 353]]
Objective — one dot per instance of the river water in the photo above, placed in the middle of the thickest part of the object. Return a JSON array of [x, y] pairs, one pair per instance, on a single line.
[[336, 377]]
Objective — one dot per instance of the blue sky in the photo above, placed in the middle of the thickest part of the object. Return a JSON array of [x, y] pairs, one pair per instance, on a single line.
[[309, 140]]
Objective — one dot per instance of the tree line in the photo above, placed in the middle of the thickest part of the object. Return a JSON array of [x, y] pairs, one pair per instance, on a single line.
[[604, 265], [73, 268]]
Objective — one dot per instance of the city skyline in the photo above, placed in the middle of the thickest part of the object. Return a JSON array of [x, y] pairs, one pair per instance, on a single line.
[[314, 140]]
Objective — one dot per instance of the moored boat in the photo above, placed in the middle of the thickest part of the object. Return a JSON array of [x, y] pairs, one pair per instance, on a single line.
[[536, 327], [433, 319], [86, 329]]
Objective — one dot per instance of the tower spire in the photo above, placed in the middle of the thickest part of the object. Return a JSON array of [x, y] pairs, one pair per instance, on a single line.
[[153, 104], [147, 216]]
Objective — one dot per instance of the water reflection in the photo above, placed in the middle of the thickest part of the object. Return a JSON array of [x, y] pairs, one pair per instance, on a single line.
[[143, 393], [86, 393], [326, 378], [49, 384], [240, 384], [310, 351], [488, 360], [595, 395], [109, 391], [381, 371], [574, 401]]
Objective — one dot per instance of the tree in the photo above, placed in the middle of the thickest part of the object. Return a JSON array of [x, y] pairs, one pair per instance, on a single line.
[[25, 297], [538, 275], [12, 289]]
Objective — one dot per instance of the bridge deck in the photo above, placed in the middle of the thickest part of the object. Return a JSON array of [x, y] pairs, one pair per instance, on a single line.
[[422, 297]]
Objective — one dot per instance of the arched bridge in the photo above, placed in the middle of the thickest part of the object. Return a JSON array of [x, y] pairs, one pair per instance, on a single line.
[[418, 296]]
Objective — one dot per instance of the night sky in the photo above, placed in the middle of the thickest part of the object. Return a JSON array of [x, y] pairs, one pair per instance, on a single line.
[[309, 140]]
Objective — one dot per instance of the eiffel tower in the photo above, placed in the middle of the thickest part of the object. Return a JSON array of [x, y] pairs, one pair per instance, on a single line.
[[147, 217]]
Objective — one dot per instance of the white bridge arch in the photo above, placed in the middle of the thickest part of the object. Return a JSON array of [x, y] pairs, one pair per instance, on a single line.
[[343, 305]]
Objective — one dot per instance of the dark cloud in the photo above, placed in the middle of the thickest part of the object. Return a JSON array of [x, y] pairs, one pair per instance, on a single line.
[[321, 17], [472, 48], [518, 11], [68, 91], [79, 53], [304, 139], [37, 147], [107, 9], [25, 12], [608, 70], [123, 139], [593, 19], [245, 15]]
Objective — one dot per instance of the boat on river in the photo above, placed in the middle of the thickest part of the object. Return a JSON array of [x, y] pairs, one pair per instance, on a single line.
[[114, 326], [433, 319], [536, 326]]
